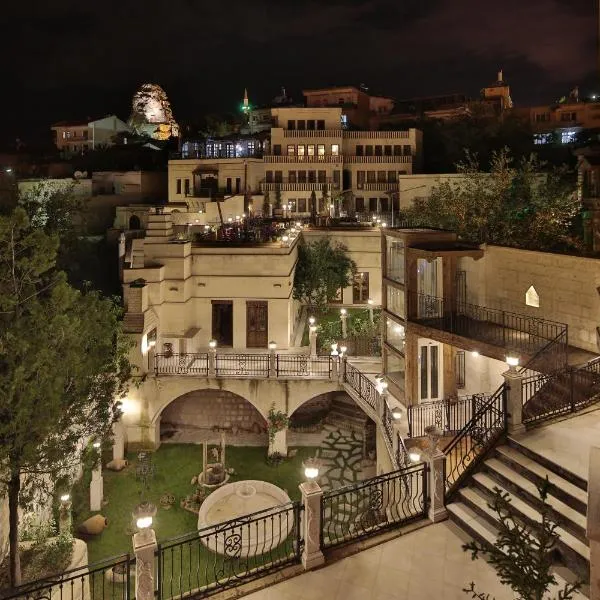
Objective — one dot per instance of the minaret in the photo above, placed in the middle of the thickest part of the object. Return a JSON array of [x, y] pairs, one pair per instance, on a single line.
[[246, 104]]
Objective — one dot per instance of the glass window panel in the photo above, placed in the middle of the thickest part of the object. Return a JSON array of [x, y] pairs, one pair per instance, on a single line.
[[394, 335], [423, 364], [395, 259], [434, 355], [395, 301], [394, 368]]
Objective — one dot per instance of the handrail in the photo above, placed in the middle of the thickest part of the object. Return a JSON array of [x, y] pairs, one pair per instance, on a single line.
[[552, 343]]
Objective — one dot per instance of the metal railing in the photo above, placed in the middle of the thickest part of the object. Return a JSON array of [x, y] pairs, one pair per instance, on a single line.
[[303, 365], [229, 554], [449, 415], [496, 327], [110, 579], [242, 365], [366, 508], [181, 364], [363, 386], [480, 434], [402, 458], [387, 422]]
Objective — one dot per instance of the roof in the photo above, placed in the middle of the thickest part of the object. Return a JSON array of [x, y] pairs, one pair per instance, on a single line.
[[79, 122]]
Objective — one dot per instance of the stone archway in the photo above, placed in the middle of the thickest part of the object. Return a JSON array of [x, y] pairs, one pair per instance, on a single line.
[[200, 414]]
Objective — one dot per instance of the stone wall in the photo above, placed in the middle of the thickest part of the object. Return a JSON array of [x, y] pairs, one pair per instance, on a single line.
[[567, 287], [312, 411], [212, 409]]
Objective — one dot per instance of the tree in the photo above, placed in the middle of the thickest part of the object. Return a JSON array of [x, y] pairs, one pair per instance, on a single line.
[[325, 198], [521, 554], [266, 209], [322, 270], [523, 206], [313, 207], [277, 204], [63, 367]]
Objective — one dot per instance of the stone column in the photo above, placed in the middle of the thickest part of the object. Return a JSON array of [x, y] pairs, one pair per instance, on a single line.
[[144, 546], [593, 522], [312, 495], [344, 318], [279, 443], [212, 362], [437, 510], [204, 460], [312, 339], [335, 366], [514, 400], [118, 441], [272, 363], [96, 488], [64, 517]]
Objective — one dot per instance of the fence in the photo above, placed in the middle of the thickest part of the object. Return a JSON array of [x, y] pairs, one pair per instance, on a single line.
[[364, 509], [242, 365], [302, 365], [110, 579], [181, 364], [482, 431], [229, 554], [363, 386], [449, 415]]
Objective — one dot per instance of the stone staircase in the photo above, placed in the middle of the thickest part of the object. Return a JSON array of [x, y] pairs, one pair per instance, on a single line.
[[517, 470], [345, 414]]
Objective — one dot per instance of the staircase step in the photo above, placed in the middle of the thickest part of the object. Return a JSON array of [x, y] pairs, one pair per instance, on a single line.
[[559, 487], [565, 516], [480, 530], [573, 552], [571, 477]]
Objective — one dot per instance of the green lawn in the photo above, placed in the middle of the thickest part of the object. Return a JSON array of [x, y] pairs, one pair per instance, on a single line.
[[175, 466]]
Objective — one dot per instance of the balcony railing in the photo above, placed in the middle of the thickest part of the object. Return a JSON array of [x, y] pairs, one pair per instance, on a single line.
[[376, 134], [378, 186], [295, 158], [290, 186], [306, 133], [394, 158]]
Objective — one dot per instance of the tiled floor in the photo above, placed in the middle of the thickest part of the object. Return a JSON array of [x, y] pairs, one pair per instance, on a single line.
[[427, 564], [567, 442]]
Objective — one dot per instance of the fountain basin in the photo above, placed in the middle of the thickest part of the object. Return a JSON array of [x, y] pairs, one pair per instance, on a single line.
[[224, 524]]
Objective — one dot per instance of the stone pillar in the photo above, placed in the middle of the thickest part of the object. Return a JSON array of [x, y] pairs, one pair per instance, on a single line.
[[279, 443], [212, 362], [204, 459], [514, 400], [312, 339], [437, 510], [312, 496], [222, 457], [64, 517], [344, 319], [118, 440], [335, 366], [272, 363], [144, 546], [96, 488], [593, 522]]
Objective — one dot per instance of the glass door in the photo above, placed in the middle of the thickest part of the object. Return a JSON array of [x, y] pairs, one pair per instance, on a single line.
[[430, 371], [429, 304]]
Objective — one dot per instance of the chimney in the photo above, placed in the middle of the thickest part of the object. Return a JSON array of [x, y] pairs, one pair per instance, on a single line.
[[500, 76]]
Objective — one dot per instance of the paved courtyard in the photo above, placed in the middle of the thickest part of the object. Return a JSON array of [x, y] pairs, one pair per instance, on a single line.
[[340, 454]]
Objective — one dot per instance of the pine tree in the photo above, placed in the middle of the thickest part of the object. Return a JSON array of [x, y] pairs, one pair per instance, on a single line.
[[266, 209]]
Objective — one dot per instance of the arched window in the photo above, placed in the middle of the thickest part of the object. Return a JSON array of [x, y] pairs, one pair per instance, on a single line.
[[134, 222], [532, 298]]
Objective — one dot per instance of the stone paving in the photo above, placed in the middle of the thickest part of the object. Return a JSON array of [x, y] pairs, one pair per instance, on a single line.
[[340, 454]]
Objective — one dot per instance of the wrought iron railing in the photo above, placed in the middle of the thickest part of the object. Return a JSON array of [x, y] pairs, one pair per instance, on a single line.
[[110, 579], [509, 330], [364, 509], [181, 364], [363, 386], [480, 434], [226, 555], [387, 421], [402, 458], [449, 415], [242, 365], [303, 365]]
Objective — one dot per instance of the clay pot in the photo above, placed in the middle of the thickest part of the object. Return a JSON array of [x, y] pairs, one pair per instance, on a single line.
[[94, 525], [118, 464]]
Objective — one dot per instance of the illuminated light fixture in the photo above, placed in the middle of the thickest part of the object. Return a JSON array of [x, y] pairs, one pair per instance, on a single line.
[[331, 206], [299, 225], [65, 498], [343, 311], [96, 445], [311, 469], [311, 320], [343, 350], [272, 346], [383, 385], [143, 523], [230, 220], [243, 215], [8, 170], [398, 328], [237, 217], [212, 344], [197, 221], [396, 413], [206, 227], [512, 361], [285, 238], [475, 354], [414, 455], [374, 217], [371, 302], [384, 224]]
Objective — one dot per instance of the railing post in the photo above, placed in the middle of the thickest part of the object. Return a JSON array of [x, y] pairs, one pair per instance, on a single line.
[[212, 362], [437, 485], [335, 367], [312, 340], [156, 365], [144, 547], [513, 381], [593, 522], [312, 498], [342, 374], [272, 362], [571, 373]]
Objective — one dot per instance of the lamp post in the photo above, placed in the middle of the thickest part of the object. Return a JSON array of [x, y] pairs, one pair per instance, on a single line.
[[64, 514], [97, 483], [272, 359], [312, 339], [344, 317], [212, 357], [144, 547], [312, 495], [371, 303]]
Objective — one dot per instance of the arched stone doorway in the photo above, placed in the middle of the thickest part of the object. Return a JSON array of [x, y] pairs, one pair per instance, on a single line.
[[201, 414], [134, 222]]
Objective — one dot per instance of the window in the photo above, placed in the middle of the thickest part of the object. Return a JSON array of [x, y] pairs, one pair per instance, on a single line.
[[387, 150], [373, 205], [384, 204], [292, 204], [321, 205], [542, 117], [278, 176], [394, 368], [568, 116], [310, 124], [312, 177], [321, 176], [407, 150], [291, 124], [291, 149], [395, 259], [459, 369], [301, 150], [321, 124], [360, 150], [321, 149], [178, 188], [360, 288], [394, 333], [335, 149], [229, 150], [395, 301], [378, 151], [218, 148], [381, 176], [344, 121], [532, 298], [397, 150], [359, 204], [186, 187], [392, 177], [310, 149], [369, 150], [336, 179], [301, 205], [370, 176], [277, 149], [292, 176], [568, 136], [251, 148], [269, 176], [360, 177], [301, 124], [228, 185], [301, 176], [238, 185]]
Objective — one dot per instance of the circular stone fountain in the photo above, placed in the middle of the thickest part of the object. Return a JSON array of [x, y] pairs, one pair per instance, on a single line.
[[235, 501]]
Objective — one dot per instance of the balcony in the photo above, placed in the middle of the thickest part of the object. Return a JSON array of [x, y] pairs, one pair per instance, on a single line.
[[395, 158], [376, 134], [380, 186], [294, 158], [306, 133], [296, 186]]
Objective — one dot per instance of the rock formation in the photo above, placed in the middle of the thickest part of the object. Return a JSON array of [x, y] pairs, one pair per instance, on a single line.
[[151, 113]]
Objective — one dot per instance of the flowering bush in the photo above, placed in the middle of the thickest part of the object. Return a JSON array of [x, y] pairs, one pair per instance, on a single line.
[[276, 421]]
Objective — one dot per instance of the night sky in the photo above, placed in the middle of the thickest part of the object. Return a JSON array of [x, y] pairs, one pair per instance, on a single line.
[[73, 58]]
